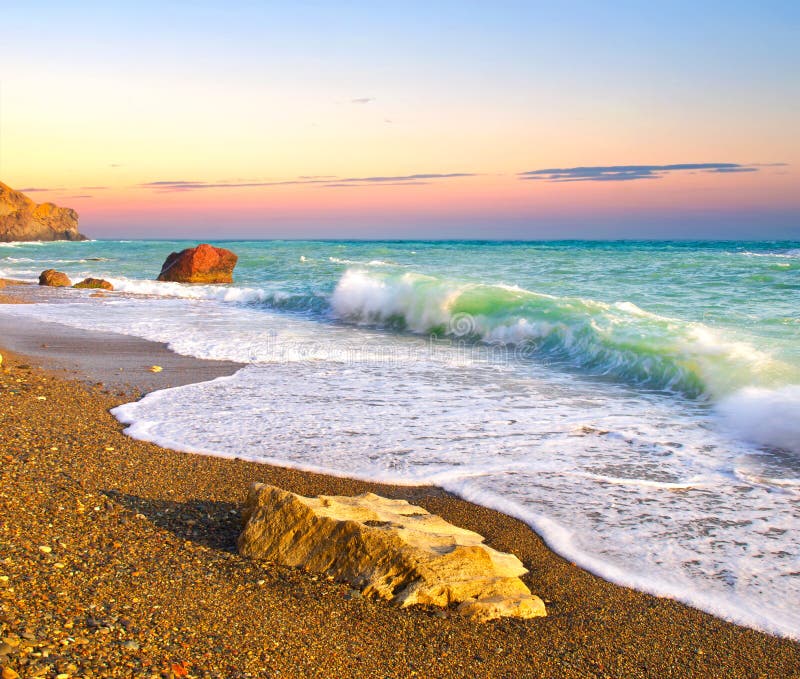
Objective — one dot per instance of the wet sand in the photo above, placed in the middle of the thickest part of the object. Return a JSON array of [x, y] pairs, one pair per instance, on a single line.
[[141, 570], [121, 362]]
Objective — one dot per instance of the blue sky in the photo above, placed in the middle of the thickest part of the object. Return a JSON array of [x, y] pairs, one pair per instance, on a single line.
[[126, 95]]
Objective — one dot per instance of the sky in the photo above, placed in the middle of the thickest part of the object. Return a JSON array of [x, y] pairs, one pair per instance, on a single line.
[[432, 119]]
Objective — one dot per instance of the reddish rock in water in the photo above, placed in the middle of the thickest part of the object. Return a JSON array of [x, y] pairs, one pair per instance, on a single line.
[[55, 279], [203, 264], [94, 283]]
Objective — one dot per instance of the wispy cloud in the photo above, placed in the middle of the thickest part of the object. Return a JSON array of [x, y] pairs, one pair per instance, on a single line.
[[362, 100], [94, 188], [35, 189], [190, 185], [727, 170], [327, 181], [408, 177], [355, 185], [623, 173]]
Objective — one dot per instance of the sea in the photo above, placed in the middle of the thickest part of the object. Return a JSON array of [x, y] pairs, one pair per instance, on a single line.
[[636, 403]]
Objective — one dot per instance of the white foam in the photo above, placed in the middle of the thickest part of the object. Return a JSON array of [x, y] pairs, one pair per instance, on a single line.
[[28, 260], [566, 541], [20, 243], [210, 292], [791, 254], [372, 262], [364, 298], [767, 417]]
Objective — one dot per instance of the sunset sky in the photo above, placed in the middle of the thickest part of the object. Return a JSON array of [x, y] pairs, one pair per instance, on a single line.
[[405, 120]]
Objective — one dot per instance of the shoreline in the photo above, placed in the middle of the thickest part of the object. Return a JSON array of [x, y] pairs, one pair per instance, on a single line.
[[594, 628]]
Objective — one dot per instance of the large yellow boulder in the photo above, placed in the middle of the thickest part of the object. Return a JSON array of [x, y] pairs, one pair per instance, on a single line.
[[388, 549]]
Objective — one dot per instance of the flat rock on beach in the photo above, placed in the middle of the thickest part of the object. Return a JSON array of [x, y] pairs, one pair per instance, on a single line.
[[388, 548]]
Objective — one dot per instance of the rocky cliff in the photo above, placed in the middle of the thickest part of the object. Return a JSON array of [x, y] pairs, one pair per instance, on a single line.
[[21, 219]]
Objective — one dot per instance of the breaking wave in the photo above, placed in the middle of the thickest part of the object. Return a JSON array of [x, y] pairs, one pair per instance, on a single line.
[[620, 340]]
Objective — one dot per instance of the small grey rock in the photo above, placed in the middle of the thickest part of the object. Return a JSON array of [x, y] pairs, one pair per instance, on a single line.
[[131, 645]]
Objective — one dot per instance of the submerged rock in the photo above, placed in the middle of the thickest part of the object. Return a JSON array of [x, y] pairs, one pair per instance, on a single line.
[[388, 549], [54, 279], [21, 219], [203, 264], [94, 283]]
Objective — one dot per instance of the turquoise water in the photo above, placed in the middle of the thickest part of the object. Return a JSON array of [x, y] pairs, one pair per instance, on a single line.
[[745, 291], [637, 403]]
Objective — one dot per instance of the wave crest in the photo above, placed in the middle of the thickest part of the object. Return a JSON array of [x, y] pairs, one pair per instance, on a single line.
[[620, 340]]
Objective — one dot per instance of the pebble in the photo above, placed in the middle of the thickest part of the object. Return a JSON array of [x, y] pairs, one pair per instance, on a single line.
[[131, 645], [45, 549]]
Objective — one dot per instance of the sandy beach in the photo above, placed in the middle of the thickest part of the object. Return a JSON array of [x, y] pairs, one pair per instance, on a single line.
[[400, 339], [118, 557]]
